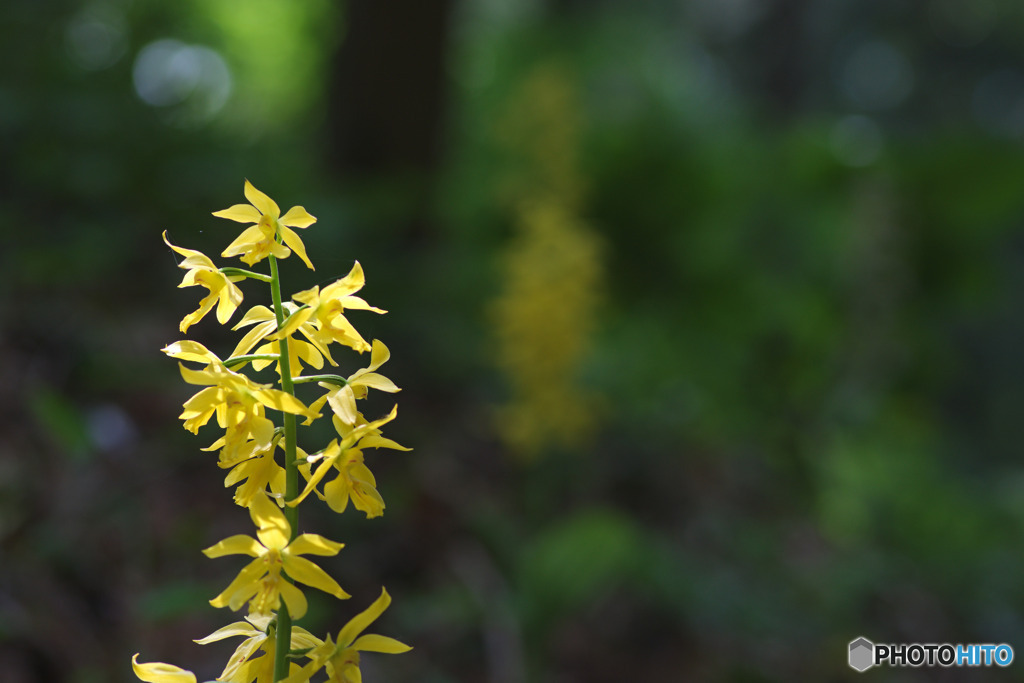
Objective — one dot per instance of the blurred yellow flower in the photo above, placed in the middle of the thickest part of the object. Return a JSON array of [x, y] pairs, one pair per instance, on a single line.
[[201, 271], [158, 672], [260, 240], [341, 657], [260, 581]]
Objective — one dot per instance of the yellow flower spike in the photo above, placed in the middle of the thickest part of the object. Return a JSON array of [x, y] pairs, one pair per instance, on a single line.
[[158, 672], [341, 657], [242, 666], [343, 399], [260, 581], [223, 291], [260, 240]]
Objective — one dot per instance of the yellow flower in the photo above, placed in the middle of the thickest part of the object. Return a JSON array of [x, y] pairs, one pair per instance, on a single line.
[[243, 667], [260, 240], [312, 352], [354, 480], [260, 581], [341, 657], [238, 402], [158, 672], [343, 399], [327, 307], [223, 291]]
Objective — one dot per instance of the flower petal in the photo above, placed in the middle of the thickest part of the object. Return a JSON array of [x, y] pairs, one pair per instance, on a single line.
[[240, 213], [238, 628], [158, 672], [274, 529], [261, 201], [186, 349], [302, 570], [297, 217], [314, 544], [359, 622], [292, 239], [294, 598], [371, 642], [238, 544]]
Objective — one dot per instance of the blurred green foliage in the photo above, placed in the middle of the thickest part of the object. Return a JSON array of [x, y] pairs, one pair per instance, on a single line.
[[808, 359]]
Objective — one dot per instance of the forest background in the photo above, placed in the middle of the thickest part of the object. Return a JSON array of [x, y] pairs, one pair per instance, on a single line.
[[708, 319]]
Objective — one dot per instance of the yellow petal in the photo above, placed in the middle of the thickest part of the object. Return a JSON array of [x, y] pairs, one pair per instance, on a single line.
[[230, 298], [280, 400], [253, 336], [274, 529], [314, 544], [292, 239], [331, 454], [187, 349], [294, 321], [261, 201], [371, 642], [239, 628], [242, 587], [240, 213], [294, 598], [337, 493], [158, 672], [343, 403], [195, 316], [378, 441], [349, 284], [360, 621], [256, 314], [310, 297], [377, 381], [356, 304], [302, 570], [379, 355], [250, 239], [297, 217], [238, 544]]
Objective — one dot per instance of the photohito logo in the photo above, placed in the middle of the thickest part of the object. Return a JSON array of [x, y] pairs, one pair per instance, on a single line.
[[864, 654]]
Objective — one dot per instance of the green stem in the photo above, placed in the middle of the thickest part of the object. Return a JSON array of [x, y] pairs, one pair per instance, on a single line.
[[231, 271], [238, 360], [333, 379], [284, 621]]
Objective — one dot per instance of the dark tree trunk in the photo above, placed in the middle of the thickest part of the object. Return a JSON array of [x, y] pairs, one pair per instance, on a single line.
[[387, 94]]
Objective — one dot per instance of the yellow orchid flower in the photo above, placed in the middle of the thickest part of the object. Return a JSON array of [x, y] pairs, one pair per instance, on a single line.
[[343, 399], [265, 325], [354, 482], [201, 271], [238, 402], [260, 582], [158, 672], [341, 657], [327, 307], [243, 667], [260, 240]]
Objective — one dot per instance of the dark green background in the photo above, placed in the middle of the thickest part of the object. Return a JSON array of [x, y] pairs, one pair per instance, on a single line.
[[809, 352]]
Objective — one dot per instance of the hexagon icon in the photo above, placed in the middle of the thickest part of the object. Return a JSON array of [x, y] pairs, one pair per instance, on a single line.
[[862, 654]]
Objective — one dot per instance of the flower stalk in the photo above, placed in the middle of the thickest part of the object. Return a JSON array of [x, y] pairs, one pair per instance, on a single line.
[[275, 647]]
